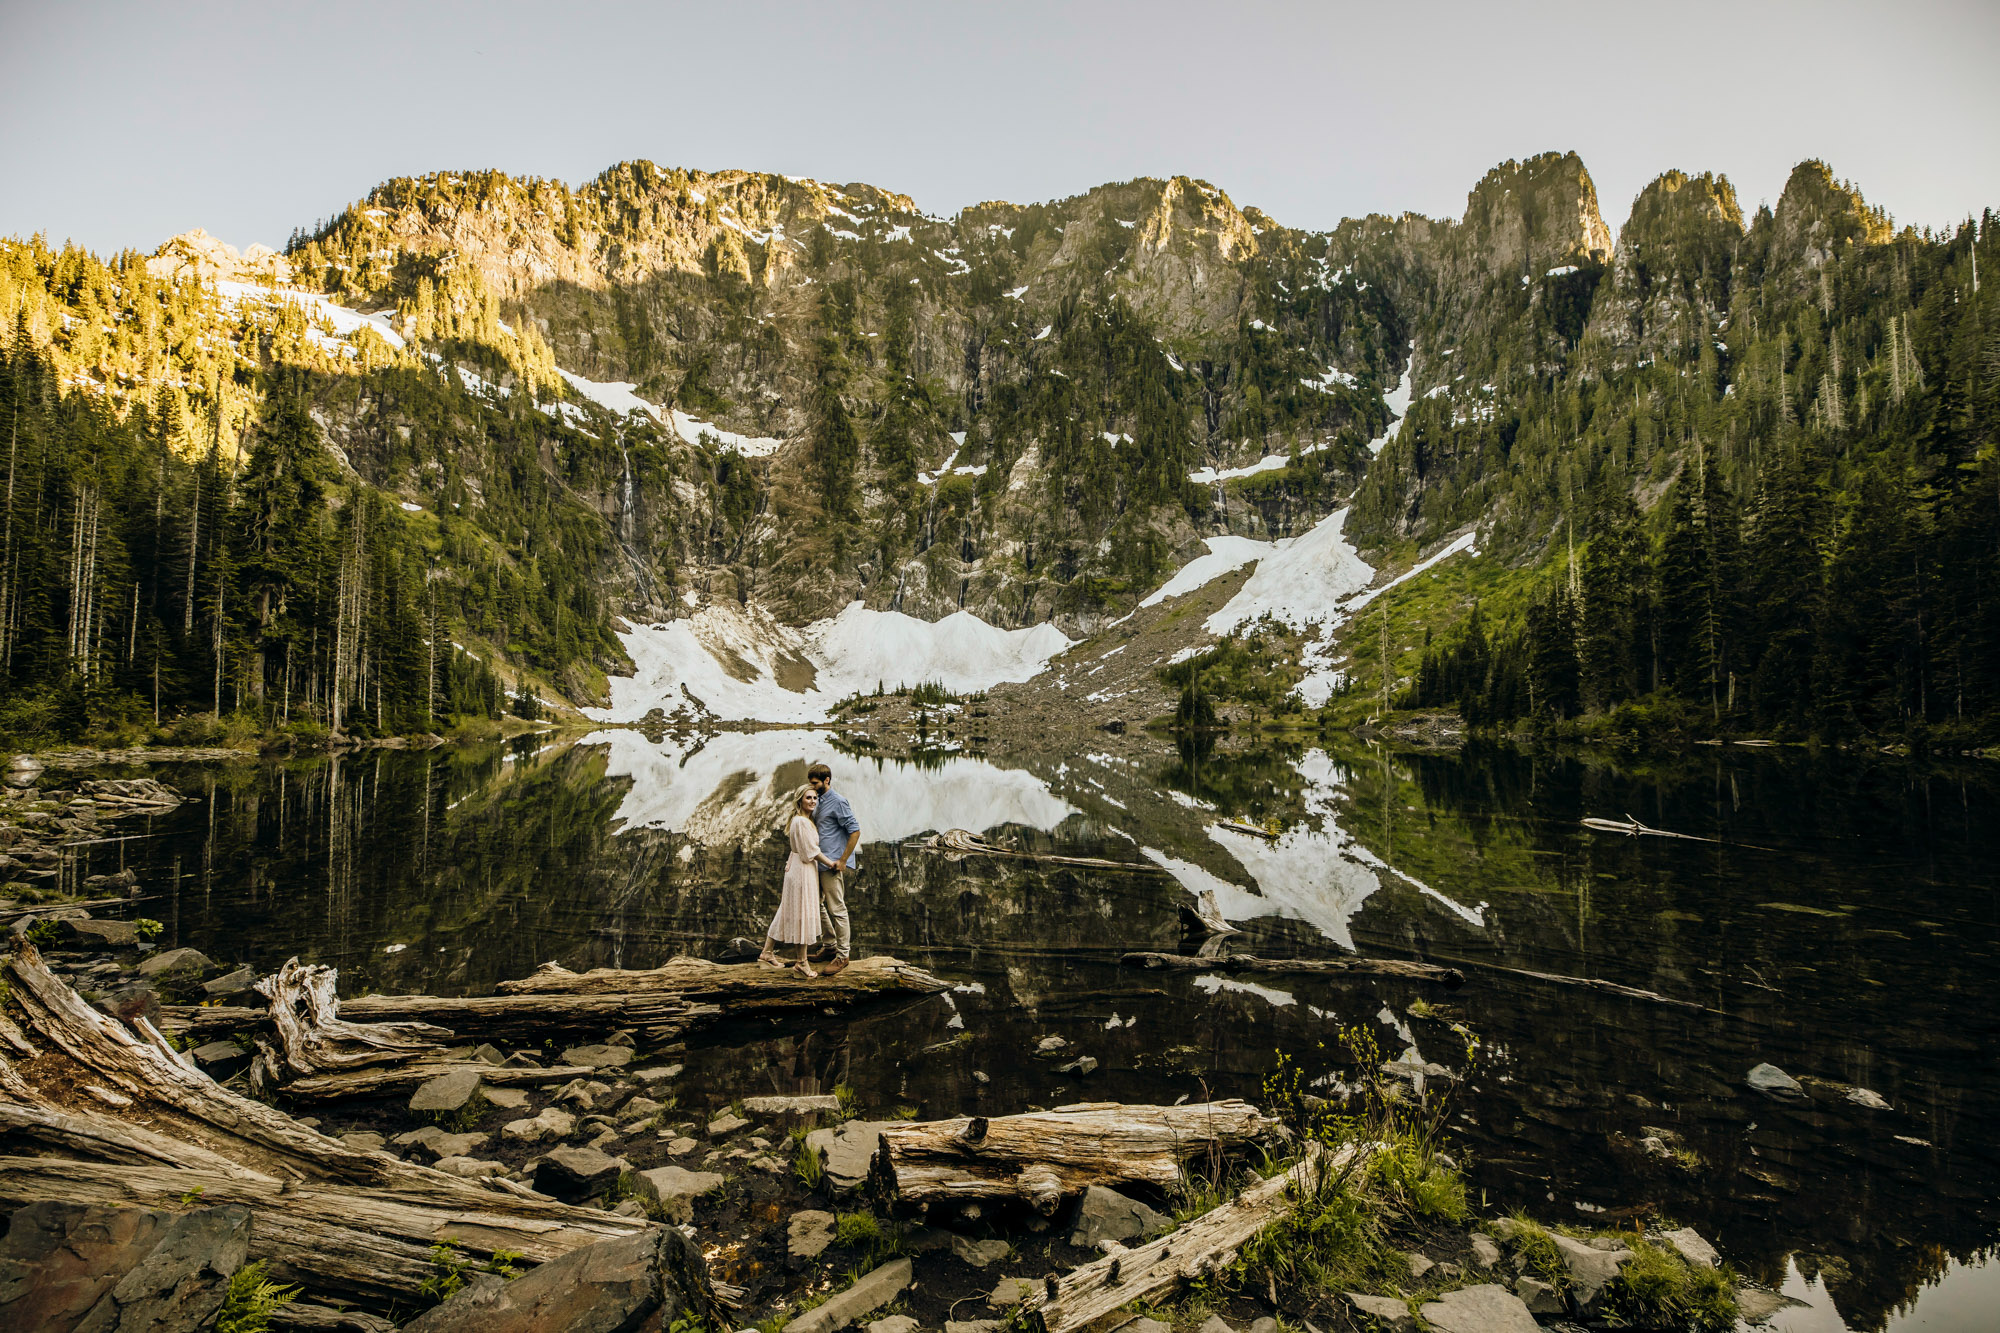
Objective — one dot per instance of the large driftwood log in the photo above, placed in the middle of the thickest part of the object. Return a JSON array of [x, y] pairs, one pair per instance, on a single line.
[[1243, 962], [317, 1040], [376, 1080], [1043, 1156], [352, 1244], [661, 1016], [1206, 1244], [738, 987]]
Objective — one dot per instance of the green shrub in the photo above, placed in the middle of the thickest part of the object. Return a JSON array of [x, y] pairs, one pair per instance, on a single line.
[[857, 1229], [250, 1302], [1657, 1288]]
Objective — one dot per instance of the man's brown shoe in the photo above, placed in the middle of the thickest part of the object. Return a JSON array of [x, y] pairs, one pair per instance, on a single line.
[[837, 965]]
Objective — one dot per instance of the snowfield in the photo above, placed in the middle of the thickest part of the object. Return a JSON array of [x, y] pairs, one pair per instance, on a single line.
[[736, 788], [738, 664]]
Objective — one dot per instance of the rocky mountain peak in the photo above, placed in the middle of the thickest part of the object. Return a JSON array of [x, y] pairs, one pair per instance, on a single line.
[[1529, 216], [1673, 259], [1817, 215], [196, 254]]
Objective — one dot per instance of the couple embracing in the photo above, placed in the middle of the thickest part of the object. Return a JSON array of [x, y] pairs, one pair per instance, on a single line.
[[823, 834]]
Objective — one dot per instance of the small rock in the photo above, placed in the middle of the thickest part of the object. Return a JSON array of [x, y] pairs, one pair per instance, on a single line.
[[220, 1060], [364, 1140], [1083, 1064], [1874, 1101], [1012, 1291], [870, 1293], [818, 1104], [622, 1037], [1264, 1324], [470, 1168], [1693, 1247], [523, 1060], [674, 1190], [232, 983], [656, 1074], [726, 1124], [642, 1106], [1775, 1082], [582, 1093], [1589, 1267], [130, 1003], [1755, 1306], [847, 1151], [1484, 1252], [507, 1099], [1105, 1214], [895, 1323], [447, 1092], [597, 1057], [629, 1208], [551, 1123], [1387, 1312], [808, 1233], [457, 1145], [1215, 1323], [1489, 1308], [1143, 1325], [173, 960], [1050, 1045], [1538, 1296], [574, 1174], [428, 1134], [682, 1146], [489, 1054], [980, 1253], [1420, 1264]]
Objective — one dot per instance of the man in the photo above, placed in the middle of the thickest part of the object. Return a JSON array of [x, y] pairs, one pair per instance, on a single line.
[[839, 835]]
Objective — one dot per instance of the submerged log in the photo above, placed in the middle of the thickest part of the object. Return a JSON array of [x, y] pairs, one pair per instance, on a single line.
[[317, 1040], [1207, 1244], [738, 987], [1243, 962], [1044, 1156], [378, 1080], [660, 1016], [957, 843]]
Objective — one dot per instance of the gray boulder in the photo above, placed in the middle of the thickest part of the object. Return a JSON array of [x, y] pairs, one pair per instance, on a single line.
[[1215, 1323], [231, 983], [1105, 1214], [875, 1290], [174, 960], [221, 1060], [550, 1123], [1484, 1252], [1756, 1306], [597, 1057], [574, 1174], [1011, 1291], [507, 1099], [1590, 1268], [57, 1260], [808, 1233], [1775, 1082], [819, 1104], [1538, 1296], [648, 1280], [1387, 1312], [980, 1253], [726, 1124], [108, 934], [674, 1189], [447, 1092], [470, 1168], [1488, 1308], [1693, 1247], [182, 1281], [847, 1151]]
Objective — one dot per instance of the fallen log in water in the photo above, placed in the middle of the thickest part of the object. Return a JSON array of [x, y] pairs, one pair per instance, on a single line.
[[1207, 1244], [739, 988], [1204, 922], [659, 1016], [1043, 1156], [379, 1080], [958, 842], [1243, 962]]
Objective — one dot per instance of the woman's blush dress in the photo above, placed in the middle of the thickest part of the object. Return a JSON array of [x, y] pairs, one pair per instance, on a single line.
[[797, 921]]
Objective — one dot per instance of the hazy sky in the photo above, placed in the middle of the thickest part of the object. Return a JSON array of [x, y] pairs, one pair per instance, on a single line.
[[126, 123]]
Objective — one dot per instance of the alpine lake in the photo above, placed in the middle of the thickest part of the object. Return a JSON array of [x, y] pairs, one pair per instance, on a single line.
[[1832, 915]]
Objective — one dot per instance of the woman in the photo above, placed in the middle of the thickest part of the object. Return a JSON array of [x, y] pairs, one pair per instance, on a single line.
[[797, 921]]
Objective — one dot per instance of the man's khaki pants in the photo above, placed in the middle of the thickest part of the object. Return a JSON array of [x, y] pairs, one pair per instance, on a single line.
[[833, 924]]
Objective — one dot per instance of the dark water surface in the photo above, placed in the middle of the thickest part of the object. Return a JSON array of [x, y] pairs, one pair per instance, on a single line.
[[1842, 925]]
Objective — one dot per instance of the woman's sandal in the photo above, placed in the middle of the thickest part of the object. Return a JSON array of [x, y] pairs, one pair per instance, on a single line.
[[771, 960], [805, 970]]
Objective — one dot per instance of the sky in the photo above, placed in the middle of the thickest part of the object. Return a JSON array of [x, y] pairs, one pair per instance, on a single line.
[[128, 123]]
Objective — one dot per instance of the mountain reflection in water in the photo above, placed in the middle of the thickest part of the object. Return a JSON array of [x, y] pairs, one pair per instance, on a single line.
[[1842, 927]]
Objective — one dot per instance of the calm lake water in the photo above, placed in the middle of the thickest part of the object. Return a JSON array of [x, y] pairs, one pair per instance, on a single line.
[[1839, 921]]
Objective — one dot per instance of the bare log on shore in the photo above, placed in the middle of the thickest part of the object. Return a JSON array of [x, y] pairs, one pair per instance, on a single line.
[[379, 1080], [1044, 1156], [1207, 1244], [1243, 962], [739, 988], [317, 1040], [659, 1016], [130, 1123]]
